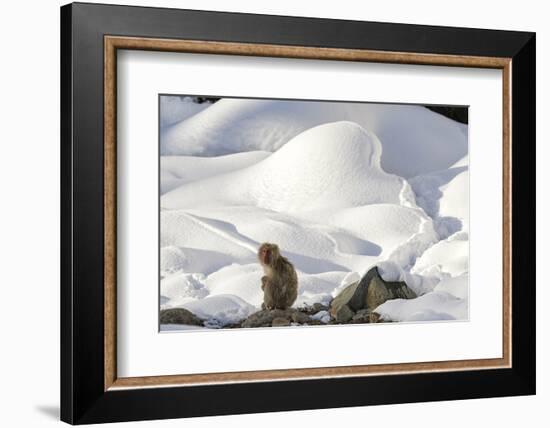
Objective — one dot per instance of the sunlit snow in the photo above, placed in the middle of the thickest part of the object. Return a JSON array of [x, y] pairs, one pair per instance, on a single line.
[[340, 187]]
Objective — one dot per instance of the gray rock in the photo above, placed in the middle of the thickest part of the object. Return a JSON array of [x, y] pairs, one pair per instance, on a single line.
[[353, 296], [300, 317], [343, 314], [313, 309], [179, 316], [365, 316], [261, 318], [374, 317], [318, 307], [265, 317], [380, 291], [280, 322], [369, 293]]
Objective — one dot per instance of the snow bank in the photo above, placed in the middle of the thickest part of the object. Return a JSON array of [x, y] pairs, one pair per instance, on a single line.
[[224, 244], [416, 140], [332, 166], [434, 306], [457, 286], [181, 288], [174, 109], [240, 280], [178, 170], [444, 195], [449, 257], [342, 242], [403, 233], [220, 310]]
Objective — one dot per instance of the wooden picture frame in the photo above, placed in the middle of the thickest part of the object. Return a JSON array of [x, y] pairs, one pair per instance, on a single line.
[[91, 391]]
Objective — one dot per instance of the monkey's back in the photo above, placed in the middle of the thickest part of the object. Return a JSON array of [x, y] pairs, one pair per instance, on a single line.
[[285, 284]]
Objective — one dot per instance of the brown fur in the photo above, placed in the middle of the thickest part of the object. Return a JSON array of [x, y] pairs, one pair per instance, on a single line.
[[280, 282]]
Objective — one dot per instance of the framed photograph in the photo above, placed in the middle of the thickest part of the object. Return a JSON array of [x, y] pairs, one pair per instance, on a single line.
[[278, 213]]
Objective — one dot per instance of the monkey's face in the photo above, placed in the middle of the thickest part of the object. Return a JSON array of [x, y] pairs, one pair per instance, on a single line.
[[267, 254]]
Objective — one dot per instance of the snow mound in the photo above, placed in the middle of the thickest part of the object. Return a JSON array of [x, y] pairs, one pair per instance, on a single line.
[[311, 245], [178, 170], [334, 165], [444, 195], [172, 259], [447, 257], [240, 280], [415, 140], [220, 310], [403, 233], [193, 233], [457, 286], [174, 109], [434, 306], [182, 287]]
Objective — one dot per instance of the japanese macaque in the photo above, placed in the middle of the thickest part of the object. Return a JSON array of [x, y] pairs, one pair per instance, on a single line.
[[280, 282]]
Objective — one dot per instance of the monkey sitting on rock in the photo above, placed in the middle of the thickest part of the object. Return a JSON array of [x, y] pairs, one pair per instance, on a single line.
[[280, 282]]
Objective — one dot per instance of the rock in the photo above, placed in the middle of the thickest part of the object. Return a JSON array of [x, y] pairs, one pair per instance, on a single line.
[[265, 317], [374, 317], [338, 313], [179, 316], [368, 293], [313, 309], [353, 296], [365, 316], [233, 325], [380, 291], [318, 307], [283, 313], [280, 322], [261, 318], [300, 317], [343, 314]]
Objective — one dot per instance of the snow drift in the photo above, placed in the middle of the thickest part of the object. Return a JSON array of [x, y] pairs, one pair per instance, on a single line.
[[330, 166], [416, 140], [178, 170]]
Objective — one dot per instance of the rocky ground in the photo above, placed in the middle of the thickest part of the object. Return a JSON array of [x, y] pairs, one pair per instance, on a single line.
[[355, 304]]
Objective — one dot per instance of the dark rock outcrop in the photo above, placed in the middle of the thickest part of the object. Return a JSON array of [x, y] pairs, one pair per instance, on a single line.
[[367, 294], [313, 309], [342, 314], [276, 318], [179, 316], [379, 291], [263, 318], [365, 316], [280, 322], [300, 318]]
